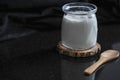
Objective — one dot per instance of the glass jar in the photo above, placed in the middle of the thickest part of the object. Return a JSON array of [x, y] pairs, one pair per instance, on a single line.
[[79, 25]]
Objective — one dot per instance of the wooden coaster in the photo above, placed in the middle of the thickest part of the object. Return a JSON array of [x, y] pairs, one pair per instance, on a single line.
[[78, 53]]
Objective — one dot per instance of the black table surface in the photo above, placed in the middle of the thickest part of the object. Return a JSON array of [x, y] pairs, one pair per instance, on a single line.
[[35, 58]]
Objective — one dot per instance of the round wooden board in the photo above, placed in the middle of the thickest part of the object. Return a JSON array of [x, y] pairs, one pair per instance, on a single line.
[[78, 53]]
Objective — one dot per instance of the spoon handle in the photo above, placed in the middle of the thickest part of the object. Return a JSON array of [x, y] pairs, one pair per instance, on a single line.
[[94, 67]]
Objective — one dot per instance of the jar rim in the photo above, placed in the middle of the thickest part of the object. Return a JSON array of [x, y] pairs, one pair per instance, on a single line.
[[79, 8]]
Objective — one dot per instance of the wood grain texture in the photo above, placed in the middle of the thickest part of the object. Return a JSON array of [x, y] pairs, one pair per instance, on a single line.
[[78, 53]]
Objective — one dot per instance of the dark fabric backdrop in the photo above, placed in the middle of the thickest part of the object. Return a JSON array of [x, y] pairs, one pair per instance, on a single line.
[[19, 18]]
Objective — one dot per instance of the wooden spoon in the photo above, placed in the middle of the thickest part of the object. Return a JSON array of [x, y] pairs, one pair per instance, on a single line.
[[106, 56]]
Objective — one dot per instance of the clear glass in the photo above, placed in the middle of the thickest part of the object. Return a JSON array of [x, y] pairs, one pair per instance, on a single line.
[[79, 25]]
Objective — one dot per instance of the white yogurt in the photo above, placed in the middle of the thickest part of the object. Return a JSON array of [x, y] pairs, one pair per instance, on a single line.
[[79, 31]]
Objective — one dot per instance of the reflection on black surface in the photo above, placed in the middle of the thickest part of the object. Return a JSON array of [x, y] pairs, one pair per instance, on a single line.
[[43, 65], [46, 65], [49, 65], [73, 68], [116, 46], [109, 71]]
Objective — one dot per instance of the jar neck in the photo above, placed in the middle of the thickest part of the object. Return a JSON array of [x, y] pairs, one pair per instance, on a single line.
[[79, 8]]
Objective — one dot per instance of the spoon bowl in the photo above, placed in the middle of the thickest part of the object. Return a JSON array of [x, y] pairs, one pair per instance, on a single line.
[[111, 54], [106, 56]]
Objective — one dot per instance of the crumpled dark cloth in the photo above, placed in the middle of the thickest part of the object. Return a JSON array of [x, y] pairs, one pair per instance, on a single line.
[[14, 24], [108, 11], [18, 17]]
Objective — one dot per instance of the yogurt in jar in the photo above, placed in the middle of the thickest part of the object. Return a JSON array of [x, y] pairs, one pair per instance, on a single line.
[[79, 32]]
